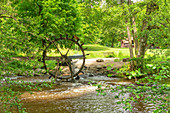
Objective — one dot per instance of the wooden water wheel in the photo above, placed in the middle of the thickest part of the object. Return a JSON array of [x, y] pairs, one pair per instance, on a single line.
[[61, 62]]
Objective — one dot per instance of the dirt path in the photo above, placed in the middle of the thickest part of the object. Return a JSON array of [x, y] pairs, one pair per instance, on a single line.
[[100, 68]]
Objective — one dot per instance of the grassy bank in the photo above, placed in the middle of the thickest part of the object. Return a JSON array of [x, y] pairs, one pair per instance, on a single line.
[[99, 51]]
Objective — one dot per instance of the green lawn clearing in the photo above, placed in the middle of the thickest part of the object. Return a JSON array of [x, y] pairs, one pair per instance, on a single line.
[[99, 51]]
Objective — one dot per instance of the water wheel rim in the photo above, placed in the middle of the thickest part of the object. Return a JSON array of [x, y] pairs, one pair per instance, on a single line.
[[80, 46]]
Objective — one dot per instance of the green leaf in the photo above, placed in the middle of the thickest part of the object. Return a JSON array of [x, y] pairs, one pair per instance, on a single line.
[[89, 82], [119, 102], [116, 96], [99, 86], [158, 77], [129, 77], [109, 68], [109, 75], [137, 96], [154, 67]]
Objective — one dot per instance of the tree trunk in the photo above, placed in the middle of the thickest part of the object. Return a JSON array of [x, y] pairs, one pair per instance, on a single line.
[[112, 43], [129, 36], [121, 1], [130, 42], [142, 46], [134, 31], [130, 48], [151, 7]]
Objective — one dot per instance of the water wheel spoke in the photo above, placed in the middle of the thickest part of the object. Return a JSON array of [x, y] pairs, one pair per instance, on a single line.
[[58, 49], [69, 49], [51, 75], [69, 65], [57, 69], [70, 68]]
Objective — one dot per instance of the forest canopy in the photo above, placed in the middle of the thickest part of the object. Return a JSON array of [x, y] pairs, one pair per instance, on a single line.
[[28, 27]]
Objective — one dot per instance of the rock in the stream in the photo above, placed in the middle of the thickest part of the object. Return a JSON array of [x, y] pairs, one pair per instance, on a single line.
[[91, 75], [83, 76], [77, 84], [125, 59], [99, 60], [99, 66]]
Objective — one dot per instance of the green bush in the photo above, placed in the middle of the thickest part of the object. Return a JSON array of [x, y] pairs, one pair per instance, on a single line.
[[167, 53], [120, 54], [148, 88], [111, 55], [117, 60]]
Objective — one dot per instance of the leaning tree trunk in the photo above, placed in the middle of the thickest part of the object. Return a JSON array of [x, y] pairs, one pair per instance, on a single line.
[[151, 7], [135, 38], [130, 48], [130, 42], [136, 43]]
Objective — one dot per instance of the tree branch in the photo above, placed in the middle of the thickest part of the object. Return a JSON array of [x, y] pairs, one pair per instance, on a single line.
[[3, 16]]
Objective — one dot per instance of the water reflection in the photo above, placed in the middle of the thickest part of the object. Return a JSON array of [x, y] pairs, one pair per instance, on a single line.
[[77, 98], [58, 94], [88, 103]]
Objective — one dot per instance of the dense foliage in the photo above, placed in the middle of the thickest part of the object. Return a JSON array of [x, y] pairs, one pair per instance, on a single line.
[[27, 25], [149, 89]]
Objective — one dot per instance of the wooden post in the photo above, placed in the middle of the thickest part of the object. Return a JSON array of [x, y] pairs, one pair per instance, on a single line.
[[57, 69]]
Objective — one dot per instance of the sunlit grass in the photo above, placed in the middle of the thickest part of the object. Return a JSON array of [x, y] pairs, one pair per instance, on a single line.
[[63, 52], [99, 51]]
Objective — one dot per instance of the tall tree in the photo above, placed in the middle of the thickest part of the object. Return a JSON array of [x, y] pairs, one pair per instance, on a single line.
[[142, 19], [91, 20], [37, 20], [112, 29]]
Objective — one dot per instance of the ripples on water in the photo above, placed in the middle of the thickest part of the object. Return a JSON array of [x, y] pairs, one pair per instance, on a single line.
[[75, 98], [79, 100]]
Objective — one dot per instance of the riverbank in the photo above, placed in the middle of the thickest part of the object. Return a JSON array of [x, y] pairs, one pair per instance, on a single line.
[[102, 66]]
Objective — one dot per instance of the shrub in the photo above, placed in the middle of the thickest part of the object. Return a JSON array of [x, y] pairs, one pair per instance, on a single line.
[[111, 55], [120, 54]]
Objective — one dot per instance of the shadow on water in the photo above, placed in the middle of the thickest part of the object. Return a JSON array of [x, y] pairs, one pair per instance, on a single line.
[[88, 103], [77, 98]]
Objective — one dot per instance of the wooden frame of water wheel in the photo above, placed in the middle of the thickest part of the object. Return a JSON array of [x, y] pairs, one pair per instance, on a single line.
[[64, 59]]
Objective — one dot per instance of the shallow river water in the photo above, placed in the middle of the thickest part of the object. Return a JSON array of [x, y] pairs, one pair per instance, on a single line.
[[77, 98]]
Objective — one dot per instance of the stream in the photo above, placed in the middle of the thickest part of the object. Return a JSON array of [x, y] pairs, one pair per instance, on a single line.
[[77, 97]]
